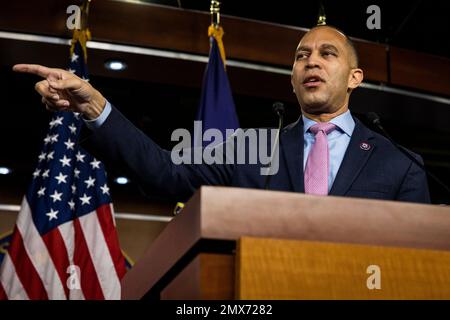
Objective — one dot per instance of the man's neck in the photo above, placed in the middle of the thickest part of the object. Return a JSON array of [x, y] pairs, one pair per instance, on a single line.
[[326, 117]]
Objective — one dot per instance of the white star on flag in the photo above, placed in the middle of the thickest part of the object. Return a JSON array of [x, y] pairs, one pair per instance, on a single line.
[[61, 178], [80, 156], [52, 214], [56, 122], [74, 188], [45, 173], [73, 129], [65, 161], [50, 155], [89, 182], [41, 192], [42, 156], [76, 173], [95, 164], [105, 189], [69, 144], [54, 138], [36, 173], [56, 196], [47, 139], [85, 199], [74, 57], [71, 204], [71, 71]]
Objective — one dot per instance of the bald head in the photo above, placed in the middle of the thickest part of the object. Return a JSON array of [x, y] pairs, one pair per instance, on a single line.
[[352, 53]]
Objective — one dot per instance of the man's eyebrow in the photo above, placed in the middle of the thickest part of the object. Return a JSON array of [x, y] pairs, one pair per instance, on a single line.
[[303, 48], [329, 47]]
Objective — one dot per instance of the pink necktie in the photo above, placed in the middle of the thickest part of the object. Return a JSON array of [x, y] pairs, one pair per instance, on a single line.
[[316, 171]]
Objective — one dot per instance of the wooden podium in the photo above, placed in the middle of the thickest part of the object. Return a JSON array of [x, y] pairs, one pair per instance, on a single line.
[[233, 243]]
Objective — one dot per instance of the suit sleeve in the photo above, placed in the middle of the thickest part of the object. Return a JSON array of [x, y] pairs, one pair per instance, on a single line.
[[122, 146], [414, 187]]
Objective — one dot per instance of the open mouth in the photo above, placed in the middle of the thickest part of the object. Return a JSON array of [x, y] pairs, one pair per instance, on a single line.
[[312, 81]]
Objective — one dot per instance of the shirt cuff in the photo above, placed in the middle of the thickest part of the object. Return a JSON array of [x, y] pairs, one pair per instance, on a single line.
[[97, 122]]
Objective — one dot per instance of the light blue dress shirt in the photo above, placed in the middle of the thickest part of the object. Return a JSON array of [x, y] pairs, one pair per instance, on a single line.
[[97, 122], [338, 141]]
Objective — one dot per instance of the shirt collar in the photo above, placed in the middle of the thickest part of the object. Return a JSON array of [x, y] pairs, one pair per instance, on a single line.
[[343, 121]]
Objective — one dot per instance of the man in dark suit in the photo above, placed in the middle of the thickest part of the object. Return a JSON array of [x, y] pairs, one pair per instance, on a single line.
[[326, 151]]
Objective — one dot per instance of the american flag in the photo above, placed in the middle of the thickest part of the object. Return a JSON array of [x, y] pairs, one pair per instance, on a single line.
[[65, 244]]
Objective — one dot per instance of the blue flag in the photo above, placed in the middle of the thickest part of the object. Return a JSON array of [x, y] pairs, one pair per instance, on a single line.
[[216, 108]]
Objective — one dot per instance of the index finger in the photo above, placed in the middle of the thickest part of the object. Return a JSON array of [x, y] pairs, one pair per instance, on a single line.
[[36, 69]]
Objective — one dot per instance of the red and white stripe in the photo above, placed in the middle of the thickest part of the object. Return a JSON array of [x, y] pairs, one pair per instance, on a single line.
[[69, 241], [36, 267], [10, 284]]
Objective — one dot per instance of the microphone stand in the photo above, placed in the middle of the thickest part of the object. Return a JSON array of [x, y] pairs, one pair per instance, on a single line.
[[278, 108]]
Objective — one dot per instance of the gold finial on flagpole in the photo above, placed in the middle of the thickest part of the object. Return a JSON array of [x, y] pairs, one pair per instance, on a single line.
[[215, 30], [84, 34], [214, 9], [322, 18], [85, 14]]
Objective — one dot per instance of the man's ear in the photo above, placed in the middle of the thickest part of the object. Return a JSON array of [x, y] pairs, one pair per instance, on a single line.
[[355, 78]]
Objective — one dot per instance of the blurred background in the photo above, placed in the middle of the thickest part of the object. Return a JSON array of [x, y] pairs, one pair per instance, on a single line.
[[161, 47]]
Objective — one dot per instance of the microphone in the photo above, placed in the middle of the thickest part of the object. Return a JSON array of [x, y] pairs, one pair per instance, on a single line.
[[278, 108], [375, 120]]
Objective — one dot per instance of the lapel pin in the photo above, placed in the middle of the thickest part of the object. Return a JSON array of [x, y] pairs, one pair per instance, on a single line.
[[365, 146]]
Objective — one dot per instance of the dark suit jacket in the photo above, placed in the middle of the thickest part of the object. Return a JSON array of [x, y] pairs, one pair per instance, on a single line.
[[379, 172]]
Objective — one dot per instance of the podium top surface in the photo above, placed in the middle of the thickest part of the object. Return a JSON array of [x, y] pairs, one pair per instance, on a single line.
[[229, 213]]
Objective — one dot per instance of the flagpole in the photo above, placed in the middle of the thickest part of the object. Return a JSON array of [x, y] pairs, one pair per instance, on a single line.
[[322, 18], [82, 35], [85, 14], [214, 9], [215, 30]]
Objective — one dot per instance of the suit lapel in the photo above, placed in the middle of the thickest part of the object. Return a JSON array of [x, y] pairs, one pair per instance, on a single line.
[[292, 146], [361, 146]]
